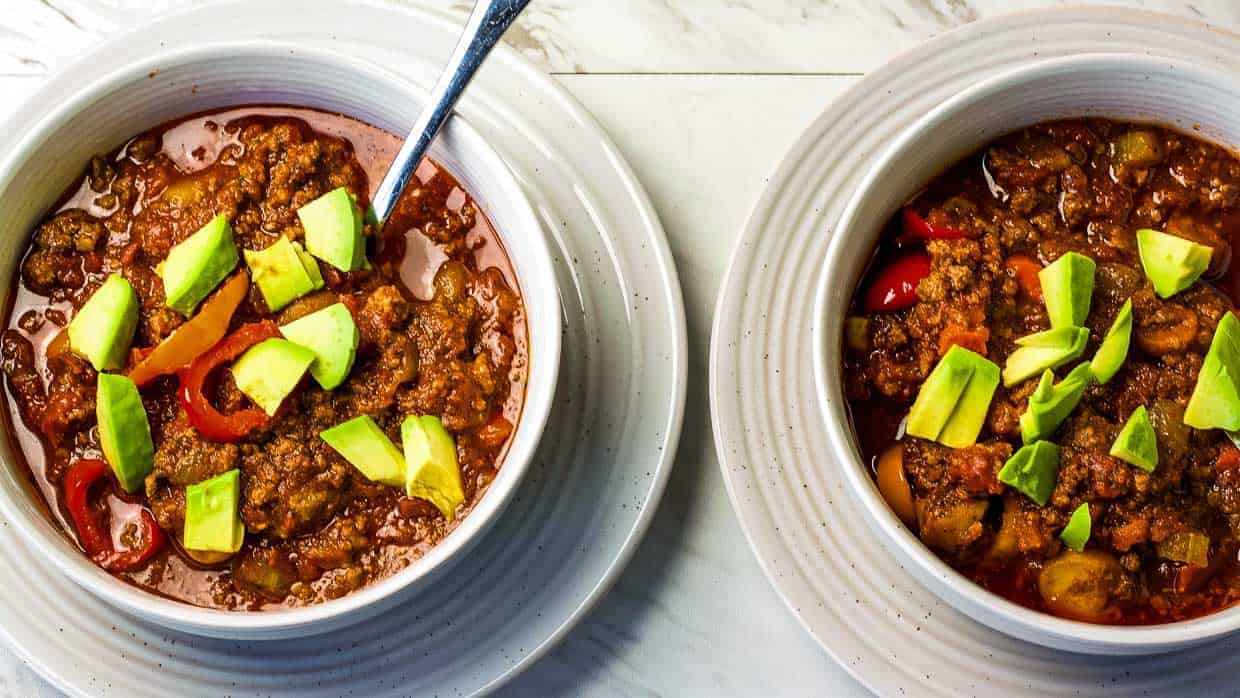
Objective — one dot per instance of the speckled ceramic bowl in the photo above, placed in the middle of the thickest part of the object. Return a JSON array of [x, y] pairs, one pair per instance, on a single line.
[[1132, 87], [156, 89]]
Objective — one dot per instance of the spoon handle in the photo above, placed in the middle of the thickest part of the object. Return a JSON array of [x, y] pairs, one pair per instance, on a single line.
[[487, 23]]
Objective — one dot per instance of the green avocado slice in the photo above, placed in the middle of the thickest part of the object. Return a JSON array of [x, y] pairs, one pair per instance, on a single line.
[[212, 523], [361, 442], [951, 405], [197, 264], [1114, 348], [102, 330], [1076, 534], [938, 395], [1171, 263], [431, 469], [1051, 402], [270, 370], [333, 228], [124, 432], [1067, 287], [332, 335], [1042, 350], [282, 274], [311, 265], [969, 414], [1033, 470], [1215, 402], [1137, 443]]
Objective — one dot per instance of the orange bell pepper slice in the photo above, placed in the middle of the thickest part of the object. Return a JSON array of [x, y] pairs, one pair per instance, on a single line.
[[196, 336]]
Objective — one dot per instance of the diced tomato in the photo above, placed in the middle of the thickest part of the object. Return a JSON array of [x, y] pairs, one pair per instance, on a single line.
[[1228, 459], [1026, 269], [968, 338]]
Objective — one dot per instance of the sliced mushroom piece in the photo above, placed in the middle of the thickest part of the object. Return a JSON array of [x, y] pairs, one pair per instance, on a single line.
[[1006, 543], [893, 485], [951, 526], [1082, 586]]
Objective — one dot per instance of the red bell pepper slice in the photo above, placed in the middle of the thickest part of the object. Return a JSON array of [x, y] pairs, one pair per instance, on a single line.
[[203, 416], [78, 479], [919, 228], [94, 537], [152, 542], [895, 286]]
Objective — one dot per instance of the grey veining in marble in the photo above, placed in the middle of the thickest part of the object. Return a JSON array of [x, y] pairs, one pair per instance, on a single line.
[[622, 36]]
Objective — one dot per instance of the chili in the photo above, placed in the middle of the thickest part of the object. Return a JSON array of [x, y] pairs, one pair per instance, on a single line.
[[209, 421]]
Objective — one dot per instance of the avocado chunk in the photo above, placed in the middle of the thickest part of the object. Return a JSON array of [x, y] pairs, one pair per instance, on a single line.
[[1215, 403], [102, 330], [952, 404], [361, 442], [938, 395], [1137, 444], [197, 264], [270, 370], [124, 432], [1051, 402], [431, 469], [1114, 348], [211, 520], [1032, 470], [1171, 263], [1076, 534], [1042, 350], [969, 415], [332, 335], [333, 227], [283, 273], [1067, 287], [311, 265]]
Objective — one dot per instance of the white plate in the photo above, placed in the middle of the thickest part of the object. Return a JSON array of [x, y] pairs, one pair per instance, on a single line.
[[591, 490], [809, 534]]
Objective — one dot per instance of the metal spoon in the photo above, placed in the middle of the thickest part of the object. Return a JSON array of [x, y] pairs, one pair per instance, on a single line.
[[487, 23]]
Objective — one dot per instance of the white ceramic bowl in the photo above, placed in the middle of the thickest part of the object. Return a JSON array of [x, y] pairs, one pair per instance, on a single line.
[[1119, 86], [158, 89]]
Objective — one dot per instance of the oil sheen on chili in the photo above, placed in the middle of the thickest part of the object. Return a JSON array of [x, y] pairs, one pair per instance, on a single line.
[[959, 266], [441, 332]]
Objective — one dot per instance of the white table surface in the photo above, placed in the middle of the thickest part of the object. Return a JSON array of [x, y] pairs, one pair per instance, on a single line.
[[703, 96]]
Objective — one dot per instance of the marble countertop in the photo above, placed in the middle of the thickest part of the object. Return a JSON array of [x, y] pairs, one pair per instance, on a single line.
[[673, 81]]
